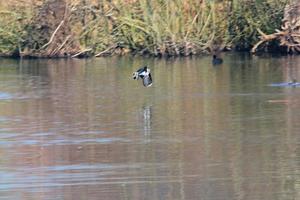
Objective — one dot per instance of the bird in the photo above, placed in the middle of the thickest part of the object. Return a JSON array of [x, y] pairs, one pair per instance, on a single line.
[[143, 73], [216, 60]]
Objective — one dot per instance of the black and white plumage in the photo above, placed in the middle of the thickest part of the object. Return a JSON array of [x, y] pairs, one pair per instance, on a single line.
[[143, 73]]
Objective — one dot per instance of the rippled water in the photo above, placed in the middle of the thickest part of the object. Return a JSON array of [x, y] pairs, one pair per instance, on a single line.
[[82, 129]]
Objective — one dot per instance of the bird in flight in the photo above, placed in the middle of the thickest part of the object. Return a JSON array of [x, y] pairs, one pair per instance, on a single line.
[[143, 73]]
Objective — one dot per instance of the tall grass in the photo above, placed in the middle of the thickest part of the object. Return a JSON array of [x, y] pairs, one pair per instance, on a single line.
[[158, 27], [170, 27], [184, 27], [247, 16]]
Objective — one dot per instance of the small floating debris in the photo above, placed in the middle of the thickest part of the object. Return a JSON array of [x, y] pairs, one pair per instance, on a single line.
[[5, 96], [283, 101], [286, 84]]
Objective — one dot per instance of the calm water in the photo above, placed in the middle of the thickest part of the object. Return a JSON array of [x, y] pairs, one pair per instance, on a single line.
[[82, 129]]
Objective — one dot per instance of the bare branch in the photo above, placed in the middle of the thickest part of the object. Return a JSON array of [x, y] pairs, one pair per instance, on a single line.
[[53, 35], [106, 50], [81, 52]]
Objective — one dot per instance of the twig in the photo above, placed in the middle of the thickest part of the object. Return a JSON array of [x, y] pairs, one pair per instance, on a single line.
[[20, 50], [81, 52], [53, 35], [190, 27], [261, 33], [106, 50], [253, 50], [61, 46]]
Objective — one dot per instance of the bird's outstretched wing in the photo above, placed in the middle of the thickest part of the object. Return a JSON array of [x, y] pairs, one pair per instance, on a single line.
[[141, 69], [140, 73]]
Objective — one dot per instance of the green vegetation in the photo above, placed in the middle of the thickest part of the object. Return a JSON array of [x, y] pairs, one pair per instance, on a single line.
[[11, 32], [249, 16], [155, 27]]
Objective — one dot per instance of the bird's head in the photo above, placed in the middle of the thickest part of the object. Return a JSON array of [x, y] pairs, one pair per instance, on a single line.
[[135, 75]]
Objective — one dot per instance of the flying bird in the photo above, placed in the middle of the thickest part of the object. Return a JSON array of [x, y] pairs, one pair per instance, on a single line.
[[143, 73]]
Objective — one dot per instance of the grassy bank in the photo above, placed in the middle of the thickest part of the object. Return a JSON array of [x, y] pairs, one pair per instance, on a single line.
[[154, 27]]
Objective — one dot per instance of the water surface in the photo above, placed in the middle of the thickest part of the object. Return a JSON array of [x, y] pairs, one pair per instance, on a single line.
[[82, 129]]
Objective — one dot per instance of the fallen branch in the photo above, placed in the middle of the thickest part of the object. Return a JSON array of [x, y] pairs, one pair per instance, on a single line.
[[261, 33], [81, 52], [266, 38], [254, 48], [61, 46], [53, 35], [106, 50]]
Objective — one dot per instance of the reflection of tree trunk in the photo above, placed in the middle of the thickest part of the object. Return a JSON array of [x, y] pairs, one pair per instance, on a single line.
[[289, 35], [49, 33]]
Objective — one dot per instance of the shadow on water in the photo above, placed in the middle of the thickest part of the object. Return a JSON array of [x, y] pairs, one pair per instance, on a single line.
[[83, 129]]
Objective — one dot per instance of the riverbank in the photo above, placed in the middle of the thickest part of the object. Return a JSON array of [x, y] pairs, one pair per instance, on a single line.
[[84, 28]]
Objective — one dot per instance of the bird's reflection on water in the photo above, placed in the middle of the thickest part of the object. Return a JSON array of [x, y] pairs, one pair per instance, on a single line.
[[147, 117]]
